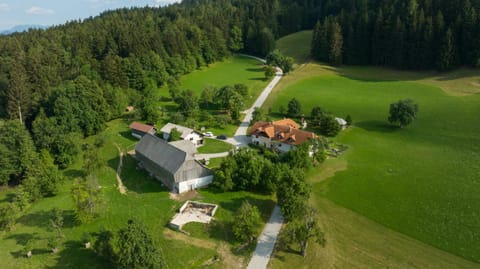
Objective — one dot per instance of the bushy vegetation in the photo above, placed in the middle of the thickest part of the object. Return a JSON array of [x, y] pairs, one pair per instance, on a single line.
[[261, 170]]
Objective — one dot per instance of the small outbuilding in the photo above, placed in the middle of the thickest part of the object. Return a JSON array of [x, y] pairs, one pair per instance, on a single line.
[[187, 134], [140, 129], [342, 122], [172, 163]]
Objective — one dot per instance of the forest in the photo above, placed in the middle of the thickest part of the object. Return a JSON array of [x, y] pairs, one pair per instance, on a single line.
[[67, 81]]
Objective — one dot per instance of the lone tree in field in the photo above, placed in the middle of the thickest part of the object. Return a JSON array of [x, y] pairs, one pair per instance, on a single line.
[[136, 248], [246, 222], [300, 231], [403, 112]]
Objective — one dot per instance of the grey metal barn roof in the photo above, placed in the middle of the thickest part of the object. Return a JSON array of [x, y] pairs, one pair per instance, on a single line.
[[175, 158]]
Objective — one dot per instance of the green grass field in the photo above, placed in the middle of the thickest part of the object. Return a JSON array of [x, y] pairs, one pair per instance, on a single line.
[[237, 69], [296, 45], [146, 200], [421, 181], [212, 145], [234, 70]]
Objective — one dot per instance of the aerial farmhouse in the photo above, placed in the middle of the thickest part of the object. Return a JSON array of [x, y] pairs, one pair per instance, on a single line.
[[283, 135], [172, 163], [186, 133]]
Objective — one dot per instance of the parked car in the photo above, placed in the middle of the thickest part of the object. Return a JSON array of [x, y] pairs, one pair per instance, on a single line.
[[222, 136], [208, 134]]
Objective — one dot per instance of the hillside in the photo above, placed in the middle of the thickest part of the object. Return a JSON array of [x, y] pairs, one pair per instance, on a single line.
[[296, 45]]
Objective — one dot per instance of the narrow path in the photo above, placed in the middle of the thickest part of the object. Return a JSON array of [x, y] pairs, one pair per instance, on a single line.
[[266, 241], [121, 187]]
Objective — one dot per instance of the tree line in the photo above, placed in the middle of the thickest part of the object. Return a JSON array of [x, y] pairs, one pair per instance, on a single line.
[[414, 34]]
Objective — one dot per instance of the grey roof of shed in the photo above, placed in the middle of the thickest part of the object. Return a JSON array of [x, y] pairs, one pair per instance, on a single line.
[[179, 163], [182, 129], [185, 145]]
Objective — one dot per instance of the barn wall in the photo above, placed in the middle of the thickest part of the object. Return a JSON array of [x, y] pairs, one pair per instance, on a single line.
[[194, 183]]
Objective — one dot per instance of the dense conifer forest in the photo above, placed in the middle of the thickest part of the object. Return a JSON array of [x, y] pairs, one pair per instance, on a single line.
[[69, 80]]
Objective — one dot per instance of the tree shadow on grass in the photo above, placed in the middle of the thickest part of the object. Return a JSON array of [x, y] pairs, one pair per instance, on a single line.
[[8, 198], [136, 179], [376, 126], [258, 79], [128, 135], [74, 255], [73, 173], [41, 219], [23, 238], [255, 69]]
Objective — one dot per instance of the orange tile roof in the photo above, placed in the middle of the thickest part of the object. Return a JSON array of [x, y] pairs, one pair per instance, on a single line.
[[284, 131], [287, 122]]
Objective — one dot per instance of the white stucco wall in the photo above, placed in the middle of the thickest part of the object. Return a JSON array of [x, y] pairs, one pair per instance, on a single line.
[[195, 183], [262, 141], [194, 138], [284, 147]]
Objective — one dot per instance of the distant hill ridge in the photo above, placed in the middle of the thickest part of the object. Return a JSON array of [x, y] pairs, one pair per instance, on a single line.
[[22, 28]]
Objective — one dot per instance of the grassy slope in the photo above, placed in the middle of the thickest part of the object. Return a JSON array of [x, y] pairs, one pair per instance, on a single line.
[[145, 200], [421, 180], [296, 45]]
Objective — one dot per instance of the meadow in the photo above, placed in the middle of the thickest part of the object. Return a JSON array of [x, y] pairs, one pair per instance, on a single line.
[[234, 70], [421, 181]]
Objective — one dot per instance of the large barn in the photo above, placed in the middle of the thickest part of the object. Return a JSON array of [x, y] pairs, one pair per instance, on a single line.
[[172, 163]]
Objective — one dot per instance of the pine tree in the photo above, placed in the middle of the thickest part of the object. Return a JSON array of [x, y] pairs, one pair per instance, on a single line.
[[336, 44], [446, 58], [18, 93]]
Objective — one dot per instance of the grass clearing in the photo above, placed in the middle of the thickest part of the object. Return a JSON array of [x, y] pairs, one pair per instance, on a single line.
[[421, 181], [296, 45], [146, 200], [212, 145]]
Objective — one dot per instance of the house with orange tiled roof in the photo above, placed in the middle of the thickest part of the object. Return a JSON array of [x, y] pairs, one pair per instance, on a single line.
[[282, 135]]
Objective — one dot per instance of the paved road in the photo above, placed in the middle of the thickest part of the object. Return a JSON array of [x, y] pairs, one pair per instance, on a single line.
[[240, 138], [266, 241]]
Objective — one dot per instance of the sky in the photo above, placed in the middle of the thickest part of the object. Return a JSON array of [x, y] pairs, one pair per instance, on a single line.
[[54, 12]]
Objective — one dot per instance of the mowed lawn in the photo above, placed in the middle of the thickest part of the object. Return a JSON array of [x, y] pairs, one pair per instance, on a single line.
[[213, 145], [146, 200], [234, 70], [424, 180]]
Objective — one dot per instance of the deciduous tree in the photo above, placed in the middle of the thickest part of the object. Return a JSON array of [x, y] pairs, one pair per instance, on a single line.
[[136, 248], [301, 230], [246, 222], [294, 108], [403, 112]]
